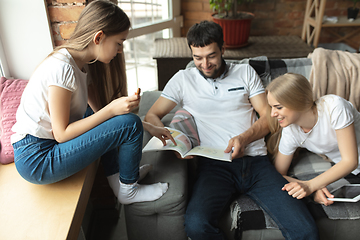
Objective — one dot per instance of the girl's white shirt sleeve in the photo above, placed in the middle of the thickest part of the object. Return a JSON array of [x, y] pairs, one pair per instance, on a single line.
[[33, 116]]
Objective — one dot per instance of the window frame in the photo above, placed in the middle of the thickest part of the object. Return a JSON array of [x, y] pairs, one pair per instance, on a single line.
[[175, 23], [4, 69]]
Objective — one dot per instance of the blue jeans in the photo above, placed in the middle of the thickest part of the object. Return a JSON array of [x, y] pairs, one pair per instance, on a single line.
[[216, 185], [119, 139]]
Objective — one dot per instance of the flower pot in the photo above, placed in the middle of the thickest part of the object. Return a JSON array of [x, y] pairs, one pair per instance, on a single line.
[[352, 12], [236, 31]]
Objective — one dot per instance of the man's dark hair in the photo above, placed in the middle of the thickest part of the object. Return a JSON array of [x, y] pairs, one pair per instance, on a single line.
[[204, 33]]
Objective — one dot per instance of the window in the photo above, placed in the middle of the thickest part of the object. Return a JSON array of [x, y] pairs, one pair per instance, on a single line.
[[141, 68], [150, 19], [21, 50], [144, 12]]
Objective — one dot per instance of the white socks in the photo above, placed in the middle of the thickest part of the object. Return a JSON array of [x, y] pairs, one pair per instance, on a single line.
[[114, 183], [130, 193]]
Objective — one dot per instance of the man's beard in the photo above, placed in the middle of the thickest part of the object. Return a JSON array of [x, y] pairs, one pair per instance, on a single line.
[[213, 75], [216, 72]]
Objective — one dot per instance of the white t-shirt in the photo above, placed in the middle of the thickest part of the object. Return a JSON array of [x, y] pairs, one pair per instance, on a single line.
[[32, 116], [221, 107], [334, 113]]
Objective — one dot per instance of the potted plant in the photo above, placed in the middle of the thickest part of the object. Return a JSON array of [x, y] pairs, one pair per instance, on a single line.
[[353, 11], [236, 25]]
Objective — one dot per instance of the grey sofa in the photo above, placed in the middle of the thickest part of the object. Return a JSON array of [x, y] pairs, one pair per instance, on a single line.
[[163, 219]]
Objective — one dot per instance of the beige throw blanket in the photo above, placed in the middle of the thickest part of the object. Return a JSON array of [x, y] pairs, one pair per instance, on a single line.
[[336, 72]]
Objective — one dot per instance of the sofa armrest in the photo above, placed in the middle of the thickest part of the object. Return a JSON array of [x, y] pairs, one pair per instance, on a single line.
[[148, 98], [162, 219]]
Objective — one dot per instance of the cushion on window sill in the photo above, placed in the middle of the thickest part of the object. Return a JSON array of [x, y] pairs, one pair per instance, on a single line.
[[10, 95]]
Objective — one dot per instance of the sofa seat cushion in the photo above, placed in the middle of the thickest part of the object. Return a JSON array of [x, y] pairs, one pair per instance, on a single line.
[[10, 95]]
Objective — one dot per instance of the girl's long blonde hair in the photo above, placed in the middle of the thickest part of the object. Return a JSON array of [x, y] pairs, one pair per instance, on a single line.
[[292, 91], [108, 80]]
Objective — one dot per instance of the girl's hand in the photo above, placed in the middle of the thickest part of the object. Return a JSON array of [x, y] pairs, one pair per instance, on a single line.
[[163, 134], [321, 196], [124, 105], [297, 190]]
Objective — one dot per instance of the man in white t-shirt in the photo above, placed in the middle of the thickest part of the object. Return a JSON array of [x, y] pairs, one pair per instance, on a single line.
[[224, 99]]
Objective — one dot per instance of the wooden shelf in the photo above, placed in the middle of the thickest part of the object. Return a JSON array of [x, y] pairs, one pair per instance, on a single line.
[[342, 22], [313, 24]]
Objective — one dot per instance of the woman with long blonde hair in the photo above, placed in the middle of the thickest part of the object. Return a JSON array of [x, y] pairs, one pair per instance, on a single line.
[[53, 140], [329, 126]]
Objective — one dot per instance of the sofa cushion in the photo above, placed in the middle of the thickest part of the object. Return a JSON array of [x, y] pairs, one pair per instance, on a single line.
[[295, 65], [10, 95], [148, 98], [307, 163], [165, 216]]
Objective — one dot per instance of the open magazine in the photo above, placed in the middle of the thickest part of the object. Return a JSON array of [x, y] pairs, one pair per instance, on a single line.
[[184, 147]]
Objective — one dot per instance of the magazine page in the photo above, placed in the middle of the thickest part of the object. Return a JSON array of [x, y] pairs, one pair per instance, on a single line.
[[182, 141], [184, 147], [210, 152]]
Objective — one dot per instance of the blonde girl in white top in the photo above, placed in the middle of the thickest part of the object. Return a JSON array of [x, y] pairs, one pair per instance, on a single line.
[[329, 126]]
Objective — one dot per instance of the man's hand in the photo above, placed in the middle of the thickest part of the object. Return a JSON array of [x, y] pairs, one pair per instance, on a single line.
[[236, 144]]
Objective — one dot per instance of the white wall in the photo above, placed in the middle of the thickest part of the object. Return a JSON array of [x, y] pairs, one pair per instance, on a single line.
[[25, 35]]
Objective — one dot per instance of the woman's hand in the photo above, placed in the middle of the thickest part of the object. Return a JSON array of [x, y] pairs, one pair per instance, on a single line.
[[124, 105], [160, 132], [298, 190], [163, 134], [321, 195]]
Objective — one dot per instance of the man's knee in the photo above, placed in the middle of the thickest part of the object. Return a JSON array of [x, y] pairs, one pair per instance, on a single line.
[[199, 226], [305, 229], [194, 225], [310, 231]]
